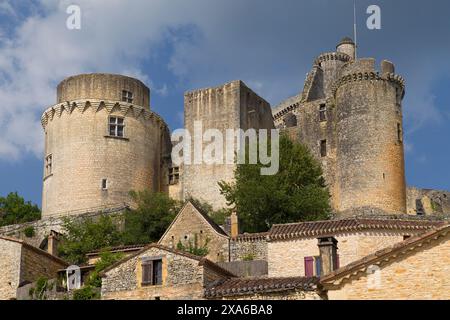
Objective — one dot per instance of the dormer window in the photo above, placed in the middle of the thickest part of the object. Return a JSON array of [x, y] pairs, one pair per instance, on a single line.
[[116, 127], [127, 96]]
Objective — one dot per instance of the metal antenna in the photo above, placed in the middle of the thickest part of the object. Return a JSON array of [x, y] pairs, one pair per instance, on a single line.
[[354, 28]]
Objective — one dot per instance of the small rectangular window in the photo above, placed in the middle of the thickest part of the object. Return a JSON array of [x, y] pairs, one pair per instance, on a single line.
[[127, 96], [116, 127], [399, 132], [323, 148], [104, 184], [48, 164], [152, 272], [322, 113], [174, 175]]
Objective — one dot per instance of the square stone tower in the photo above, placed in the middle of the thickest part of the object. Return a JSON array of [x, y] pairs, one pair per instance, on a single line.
[[230, 106]]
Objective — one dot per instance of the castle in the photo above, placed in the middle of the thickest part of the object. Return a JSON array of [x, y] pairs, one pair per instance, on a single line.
[[102, 140]]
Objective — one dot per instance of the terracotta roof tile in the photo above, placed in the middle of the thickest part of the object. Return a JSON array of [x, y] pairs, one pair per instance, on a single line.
[[318, 228], [247, 286]]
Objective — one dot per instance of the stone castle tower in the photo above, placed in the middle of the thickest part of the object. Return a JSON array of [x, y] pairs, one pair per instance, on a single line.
[[350, 115], [101, 141]]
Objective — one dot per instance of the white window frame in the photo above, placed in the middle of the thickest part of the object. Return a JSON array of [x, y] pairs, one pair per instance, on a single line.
[[114, 125], [127, 96]]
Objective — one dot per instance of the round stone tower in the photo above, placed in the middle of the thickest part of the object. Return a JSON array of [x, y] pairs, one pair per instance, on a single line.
[[370, 159], [330, 63], [101, 141]]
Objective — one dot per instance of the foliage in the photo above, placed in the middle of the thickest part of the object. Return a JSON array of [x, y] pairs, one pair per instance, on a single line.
[[296, 193], [14, 209], [218, 216], [29, 232], [194, 248], [154, 213], [86, 293], [42, 286], [106, 259], [248, 257], [87, 234]]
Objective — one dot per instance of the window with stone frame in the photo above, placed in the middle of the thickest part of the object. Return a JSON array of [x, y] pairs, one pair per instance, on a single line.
[[323, 148], [174, 175], [48, 164], [152, 272], [399, 133], [116, 127], [127, 96], [322, 113]]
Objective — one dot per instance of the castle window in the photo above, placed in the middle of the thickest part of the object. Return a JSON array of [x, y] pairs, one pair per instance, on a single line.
[[174, 175], [152, 272], [127, 96], [323, 148], [104, 184], [322, 113], [48, 164], [116, 126], [399, 133]]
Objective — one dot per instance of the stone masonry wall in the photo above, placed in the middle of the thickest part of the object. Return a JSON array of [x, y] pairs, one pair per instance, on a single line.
[[286, 258], [10, 253], [246, 249], [182, 278], [421, 275]]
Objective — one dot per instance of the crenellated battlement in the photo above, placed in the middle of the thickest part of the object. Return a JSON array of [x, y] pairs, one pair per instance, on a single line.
[[125, 109], [329, 56]]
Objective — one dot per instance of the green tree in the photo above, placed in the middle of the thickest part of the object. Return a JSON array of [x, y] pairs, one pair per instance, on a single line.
[[87, 234], [296, 193], [14, 209], [154, 213], [107, 259]]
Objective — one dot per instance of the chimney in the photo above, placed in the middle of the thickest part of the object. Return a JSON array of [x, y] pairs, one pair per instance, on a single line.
[[328, 255], [234, 229], [52, 243]]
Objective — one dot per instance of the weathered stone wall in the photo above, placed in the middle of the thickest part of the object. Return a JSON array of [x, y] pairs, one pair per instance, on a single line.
[[102, 86], [432, 202], [230, 106], [83, 152], [10, 253], [286, 258], [35, 264], [182, 278], [253, 249], [190, 226], [420, 275]]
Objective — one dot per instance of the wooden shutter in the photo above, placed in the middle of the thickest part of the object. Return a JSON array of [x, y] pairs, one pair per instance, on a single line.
[[318, 266], [309, 266], [147, 272], [157, 272], [338, 263]]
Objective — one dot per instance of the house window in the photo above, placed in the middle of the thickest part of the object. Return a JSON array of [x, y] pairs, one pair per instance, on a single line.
[[116, 127], [104, 184], [127, 96], [174, 175], [152, 272], [322, 113], [323, 148], [48, 164], [399, 132]]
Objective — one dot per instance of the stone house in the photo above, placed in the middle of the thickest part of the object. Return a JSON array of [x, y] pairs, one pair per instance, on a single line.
[[158, 272], [21, 264], [194, 227], [292, 249], [417, 268]]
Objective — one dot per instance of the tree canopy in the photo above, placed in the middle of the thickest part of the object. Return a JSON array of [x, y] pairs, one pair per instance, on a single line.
[[296, 193], [14, 209]]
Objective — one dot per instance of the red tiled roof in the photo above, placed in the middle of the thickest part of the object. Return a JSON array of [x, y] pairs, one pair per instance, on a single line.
[[331, 227], [247, 286], [118, 249], [387, 254]]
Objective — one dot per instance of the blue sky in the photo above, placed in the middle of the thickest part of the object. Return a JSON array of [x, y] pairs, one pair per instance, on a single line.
[[179, 45]]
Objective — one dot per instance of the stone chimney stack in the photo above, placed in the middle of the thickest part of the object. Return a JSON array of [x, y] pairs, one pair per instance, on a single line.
[[234, 224], [328, 255], [52, 244]]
